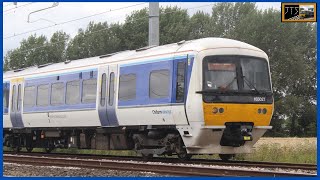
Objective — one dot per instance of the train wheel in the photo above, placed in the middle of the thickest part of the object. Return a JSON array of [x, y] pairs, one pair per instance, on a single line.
[[184, 156], [48, 149], [147, 156], [29, 149], [226, 157], [49, 146], [17, 149], [181, 151]]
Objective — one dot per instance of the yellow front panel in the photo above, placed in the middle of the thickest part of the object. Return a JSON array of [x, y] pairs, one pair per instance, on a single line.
[[237, 113]]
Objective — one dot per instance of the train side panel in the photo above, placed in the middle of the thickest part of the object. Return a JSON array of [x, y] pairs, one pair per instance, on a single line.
[[85, 118], [149, 103]]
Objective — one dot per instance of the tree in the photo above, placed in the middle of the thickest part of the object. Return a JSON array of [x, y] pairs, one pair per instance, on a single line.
[[77, 47], [199, 25], [37, 50], [135, 30], [226, 16], [174, 25], [97, 39], [57, 46], [14, 60]]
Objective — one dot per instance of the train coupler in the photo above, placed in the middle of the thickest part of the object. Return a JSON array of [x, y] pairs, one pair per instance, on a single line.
[[236, 134]]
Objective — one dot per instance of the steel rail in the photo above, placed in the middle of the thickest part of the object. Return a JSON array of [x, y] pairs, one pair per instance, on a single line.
[[170, 169], [311, 167]]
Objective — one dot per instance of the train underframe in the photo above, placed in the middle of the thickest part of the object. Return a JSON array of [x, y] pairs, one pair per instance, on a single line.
[[145, 140]]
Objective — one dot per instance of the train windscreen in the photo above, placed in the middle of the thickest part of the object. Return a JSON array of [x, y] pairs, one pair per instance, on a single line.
[[236, 73]]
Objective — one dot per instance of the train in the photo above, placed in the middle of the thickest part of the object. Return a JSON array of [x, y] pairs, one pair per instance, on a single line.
[[202, 96], [306, 13]]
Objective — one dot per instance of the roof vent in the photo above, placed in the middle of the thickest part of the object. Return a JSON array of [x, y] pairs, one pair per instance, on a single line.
[[108, 55], [181, 42], [18, 70], [44, 65], [67, 61], [145, 48]]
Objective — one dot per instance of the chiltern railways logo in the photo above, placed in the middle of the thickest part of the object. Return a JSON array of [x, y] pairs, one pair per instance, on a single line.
[[161, 111], [299, 12]]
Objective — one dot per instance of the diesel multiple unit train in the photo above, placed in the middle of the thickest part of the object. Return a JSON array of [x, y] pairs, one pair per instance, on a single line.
[[204, 96]]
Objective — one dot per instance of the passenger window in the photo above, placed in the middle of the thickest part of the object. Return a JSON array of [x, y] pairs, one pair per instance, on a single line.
[[43, 95], [57, 93], [111, 89], [73, 92], [127, 87], [180, 81], [103, 90], [159, 84], [29, 98], [89, 91]]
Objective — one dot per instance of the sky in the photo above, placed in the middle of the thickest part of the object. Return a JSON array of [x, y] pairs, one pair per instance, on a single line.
[[25, 16]]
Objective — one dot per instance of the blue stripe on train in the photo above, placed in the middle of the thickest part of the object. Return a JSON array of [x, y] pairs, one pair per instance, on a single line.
[[62, 74], [154, 61], [64, 79], [143, 70]]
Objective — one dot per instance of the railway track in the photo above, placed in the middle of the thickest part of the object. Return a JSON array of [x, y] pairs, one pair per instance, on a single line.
[[311, 167], [157, 166]]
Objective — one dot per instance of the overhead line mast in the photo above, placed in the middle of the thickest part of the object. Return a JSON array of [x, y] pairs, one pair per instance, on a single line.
[[154, 24]]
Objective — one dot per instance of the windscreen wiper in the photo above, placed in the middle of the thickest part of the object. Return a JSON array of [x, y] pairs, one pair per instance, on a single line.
[[227, 87], [216, 92], [250, 84]]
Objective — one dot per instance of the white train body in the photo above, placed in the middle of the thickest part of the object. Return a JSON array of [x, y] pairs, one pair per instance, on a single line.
[[140, 102]]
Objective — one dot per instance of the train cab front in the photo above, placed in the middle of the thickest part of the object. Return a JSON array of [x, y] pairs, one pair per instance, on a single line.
[[237, 103]]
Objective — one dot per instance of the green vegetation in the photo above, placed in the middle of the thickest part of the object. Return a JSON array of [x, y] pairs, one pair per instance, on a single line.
[[291, 48], [302, 153], [285, 150]]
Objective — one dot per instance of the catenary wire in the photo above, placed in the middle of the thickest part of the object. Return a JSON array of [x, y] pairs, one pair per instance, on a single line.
[[27, 50], [24, 5], [72, 20]]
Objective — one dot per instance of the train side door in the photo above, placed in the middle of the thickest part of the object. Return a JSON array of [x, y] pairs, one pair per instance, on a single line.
[[112, 100], [103, 86], [16, 103], [180, 85]]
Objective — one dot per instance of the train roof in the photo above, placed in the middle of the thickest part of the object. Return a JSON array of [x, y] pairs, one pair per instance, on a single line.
[[180, 47]]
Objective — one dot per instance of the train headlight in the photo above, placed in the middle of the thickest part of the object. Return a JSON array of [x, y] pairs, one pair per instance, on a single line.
[[215, 110], [221, 110], [259, 111], [264, 111]]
